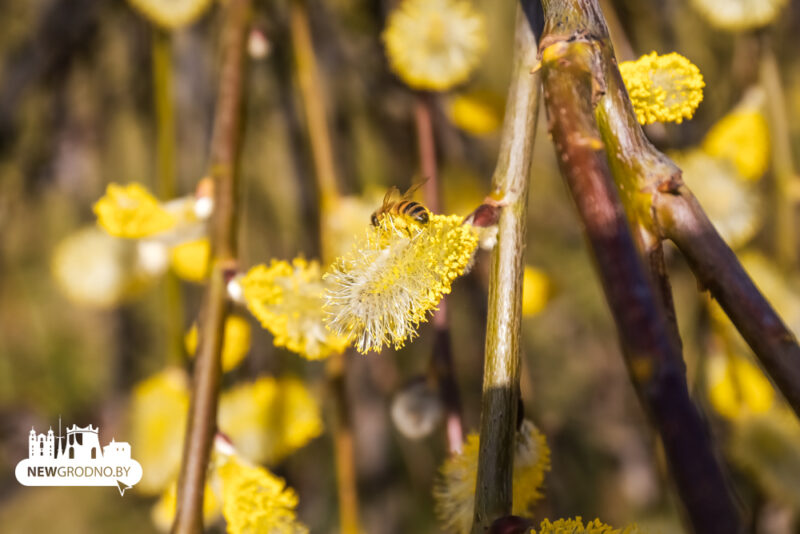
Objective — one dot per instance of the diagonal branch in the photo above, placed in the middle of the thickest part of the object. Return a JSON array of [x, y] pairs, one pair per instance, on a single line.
[[717, 268], [574, 84]]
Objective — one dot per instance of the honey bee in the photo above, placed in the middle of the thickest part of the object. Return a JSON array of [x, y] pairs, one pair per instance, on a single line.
[[396, 204]]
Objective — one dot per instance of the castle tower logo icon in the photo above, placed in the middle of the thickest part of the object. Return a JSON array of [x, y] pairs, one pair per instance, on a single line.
[[77, 460]]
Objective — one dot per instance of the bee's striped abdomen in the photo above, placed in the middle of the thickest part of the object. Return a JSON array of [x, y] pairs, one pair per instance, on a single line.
[[415, 210]]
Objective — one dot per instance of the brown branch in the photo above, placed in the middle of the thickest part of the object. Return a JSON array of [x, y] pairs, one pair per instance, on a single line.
[[442, 356], [207, 373], [574, 83], [718, 270], [500, 399]]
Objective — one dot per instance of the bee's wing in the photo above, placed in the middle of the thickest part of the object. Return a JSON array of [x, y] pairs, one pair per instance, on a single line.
[[390, 194], [413, 189]]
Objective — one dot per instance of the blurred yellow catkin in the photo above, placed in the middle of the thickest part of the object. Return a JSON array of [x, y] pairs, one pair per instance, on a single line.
[[131, 212], [454, 491], [742, 137], [236, 342], [739, 15], [270, 418], [189, 260], [434, 44], [255, 500], [173, 13]]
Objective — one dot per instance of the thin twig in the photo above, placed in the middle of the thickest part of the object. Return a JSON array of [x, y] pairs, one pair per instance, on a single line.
[[785, 194], [501, 367], [442, 356], [207, 372], [312, 97], [576, 78], [165, 158]]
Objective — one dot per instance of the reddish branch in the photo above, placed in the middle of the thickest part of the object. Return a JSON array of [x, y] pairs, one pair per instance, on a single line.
[[442, 357]]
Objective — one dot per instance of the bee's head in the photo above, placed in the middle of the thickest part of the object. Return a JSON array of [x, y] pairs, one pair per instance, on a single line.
[[374, 219]]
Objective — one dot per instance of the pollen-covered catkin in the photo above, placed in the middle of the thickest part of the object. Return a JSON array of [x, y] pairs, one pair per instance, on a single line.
[[379, 292]]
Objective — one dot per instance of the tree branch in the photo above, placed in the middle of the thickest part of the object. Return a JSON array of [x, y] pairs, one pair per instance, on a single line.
[[207, 372], [717, 269], [501, 368], [574, 83]]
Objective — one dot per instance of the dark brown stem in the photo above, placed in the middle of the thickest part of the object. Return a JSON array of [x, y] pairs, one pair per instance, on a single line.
[[718, 270], [442, 357], [207, 373], [658, 203], [500, 399], [574, 83]]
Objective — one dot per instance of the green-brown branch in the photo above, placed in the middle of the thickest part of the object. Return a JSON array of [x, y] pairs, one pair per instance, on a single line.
[[501, 367], [207, 373]]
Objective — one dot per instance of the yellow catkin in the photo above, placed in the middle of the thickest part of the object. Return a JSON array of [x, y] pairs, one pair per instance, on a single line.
[[163, 512], [158, 410], [270, 418], [454, 491], [131, 212], [173, 13], [765, 447], [664, 88], [733, 205], [255, 500], [189, 260], [737, 387], [236, 341], [434, 44], [287, 299], [535, 290], [96, 270], [395, 275], [739, 15], [741, 137], [576, 526], [476, 112]]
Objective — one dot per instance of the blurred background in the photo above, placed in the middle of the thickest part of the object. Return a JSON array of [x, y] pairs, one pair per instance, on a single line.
[[92, 327]]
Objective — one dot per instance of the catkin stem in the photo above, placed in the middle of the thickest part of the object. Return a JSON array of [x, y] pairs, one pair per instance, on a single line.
[[501, 367], [225, 146], [442, 357], [313, 98]]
